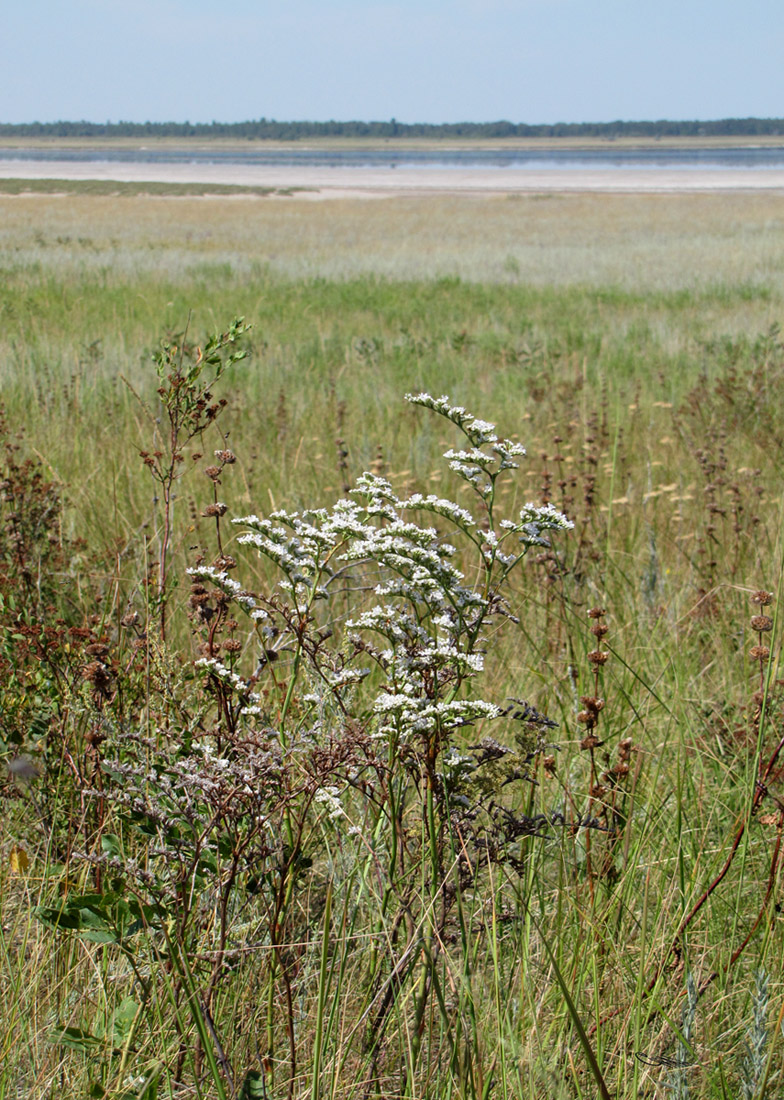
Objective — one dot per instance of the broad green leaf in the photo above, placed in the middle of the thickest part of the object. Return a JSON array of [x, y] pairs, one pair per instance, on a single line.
[[110, 845], [253, 1086], [122, 1023], [76, 1039]]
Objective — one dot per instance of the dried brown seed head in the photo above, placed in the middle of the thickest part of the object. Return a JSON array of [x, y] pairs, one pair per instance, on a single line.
[[597, 612], [759, 653], [763, 598], [98, 675], [762, 623], [592, 703], [590, 741], [226, 457], [599, 629], [597, 657], [213, 472]]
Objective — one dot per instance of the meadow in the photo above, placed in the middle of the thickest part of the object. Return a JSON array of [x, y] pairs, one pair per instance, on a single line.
[[499, 821]]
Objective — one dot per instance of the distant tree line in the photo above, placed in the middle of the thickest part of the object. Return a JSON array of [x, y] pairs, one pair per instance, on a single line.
[[269, 129]]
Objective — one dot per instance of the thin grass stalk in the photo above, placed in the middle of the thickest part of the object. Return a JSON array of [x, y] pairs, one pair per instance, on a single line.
[[207, 1036], [582, 1035], [315, 1087]]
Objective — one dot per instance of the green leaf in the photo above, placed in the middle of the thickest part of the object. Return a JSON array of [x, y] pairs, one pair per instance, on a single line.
[[76, 1039], [59, 918], [253, 1086], [110, 845], [99, 918], [123, 1021]]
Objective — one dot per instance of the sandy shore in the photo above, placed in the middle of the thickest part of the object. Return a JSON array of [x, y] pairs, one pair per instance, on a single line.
[[320, 183]]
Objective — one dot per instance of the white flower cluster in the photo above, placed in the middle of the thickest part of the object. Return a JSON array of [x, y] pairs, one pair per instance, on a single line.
[[296, 555], [535, 519], [347, 677], [492, 554], [219, 579], [456, 760], [329, 797], [478, 431], [303, 545], [446, 508], [414, 556], [403, 714], [477, 467], [231, 679], [393, 622], [431, 619]]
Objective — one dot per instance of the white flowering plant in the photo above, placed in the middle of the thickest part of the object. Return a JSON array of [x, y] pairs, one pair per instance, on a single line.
[[340, 721], [419, 625]]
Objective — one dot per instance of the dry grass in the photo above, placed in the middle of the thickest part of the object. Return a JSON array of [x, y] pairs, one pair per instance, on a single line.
[[639, 371], [638, 242]]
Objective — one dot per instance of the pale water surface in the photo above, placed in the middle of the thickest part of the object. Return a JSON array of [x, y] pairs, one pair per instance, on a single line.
[[668, 159]]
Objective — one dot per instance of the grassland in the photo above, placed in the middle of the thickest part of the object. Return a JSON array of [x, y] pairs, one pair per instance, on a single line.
[[630, 343], [124, 188]]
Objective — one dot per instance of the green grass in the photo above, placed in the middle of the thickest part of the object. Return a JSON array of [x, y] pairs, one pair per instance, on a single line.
[[117, 188], [651, 406], [125, 188]]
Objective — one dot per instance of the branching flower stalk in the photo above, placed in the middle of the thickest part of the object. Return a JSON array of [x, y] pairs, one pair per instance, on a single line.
[[593, 705], [187, 403]]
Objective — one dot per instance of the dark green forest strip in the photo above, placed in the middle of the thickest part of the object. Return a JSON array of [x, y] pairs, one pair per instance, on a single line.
[[270, 129]]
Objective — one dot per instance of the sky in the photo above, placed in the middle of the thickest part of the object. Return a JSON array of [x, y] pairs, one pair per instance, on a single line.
[[413, 60]]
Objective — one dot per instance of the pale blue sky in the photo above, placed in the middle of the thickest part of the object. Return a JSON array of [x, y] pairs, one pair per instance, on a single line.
[[415, 60]]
